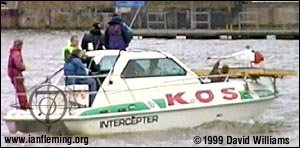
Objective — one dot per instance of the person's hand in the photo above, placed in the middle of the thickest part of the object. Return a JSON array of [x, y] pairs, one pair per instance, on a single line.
[[87, 70], [24, 67]]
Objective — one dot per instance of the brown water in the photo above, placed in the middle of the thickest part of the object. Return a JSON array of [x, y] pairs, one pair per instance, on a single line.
[[42, 55]]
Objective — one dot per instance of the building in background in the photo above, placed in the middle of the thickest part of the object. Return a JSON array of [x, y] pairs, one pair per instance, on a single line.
[[213, 15]]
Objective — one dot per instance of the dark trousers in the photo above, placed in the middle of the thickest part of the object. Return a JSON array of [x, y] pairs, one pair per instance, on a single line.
[[92, 88]]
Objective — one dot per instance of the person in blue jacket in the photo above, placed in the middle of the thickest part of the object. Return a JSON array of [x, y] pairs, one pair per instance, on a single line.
[[74, 67]]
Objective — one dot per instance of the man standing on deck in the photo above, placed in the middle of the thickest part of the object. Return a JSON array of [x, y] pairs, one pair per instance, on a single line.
[[15, 68], [118, 35]]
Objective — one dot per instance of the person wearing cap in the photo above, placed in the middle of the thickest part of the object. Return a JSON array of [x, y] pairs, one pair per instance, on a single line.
[[215, 71], [94, 40], [118, 35]]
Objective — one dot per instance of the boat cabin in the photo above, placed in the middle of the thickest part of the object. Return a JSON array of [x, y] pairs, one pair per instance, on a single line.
[[131, 76]]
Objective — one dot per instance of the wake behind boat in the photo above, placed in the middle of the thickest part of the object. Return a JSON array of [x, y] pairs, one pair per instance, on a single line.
[[132, 97]]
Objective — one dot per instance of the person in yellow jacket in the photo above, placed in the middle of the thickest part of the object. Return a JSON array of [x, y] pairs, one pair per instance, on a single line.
[[70, 47]]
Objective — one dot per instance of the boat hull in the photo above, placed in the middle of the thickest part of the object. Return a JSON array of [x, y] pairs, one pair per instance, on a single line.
[[35, 126], [164, 120]]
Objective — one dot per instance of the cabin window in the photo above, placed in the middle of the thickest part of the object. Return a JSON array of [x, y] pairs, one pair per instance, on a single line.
[[107, 63], [104, 66], [152, 68]]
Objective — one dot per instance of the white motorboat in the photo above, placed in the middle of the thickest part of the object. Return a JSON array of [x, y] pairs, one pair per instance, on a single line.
[[132, 98]]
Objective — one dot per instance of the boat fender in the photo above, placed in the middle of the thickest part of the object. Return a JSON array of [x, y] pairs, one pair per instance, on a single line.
[[258, 57]]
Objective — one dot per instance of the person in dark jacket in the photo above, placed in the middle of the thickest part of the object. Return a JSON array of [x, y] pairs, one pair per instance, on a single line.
[[95, 38], [118, 35], [75, 67], [15, 68]]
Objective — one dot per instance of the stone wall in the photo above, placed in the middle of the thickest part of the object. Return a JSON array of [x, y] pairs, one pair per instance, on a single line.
[[37, 18], [63, 15], [104, 6], [62, 19], [274, 15], [184, 5], [9, 18], [81, 14]]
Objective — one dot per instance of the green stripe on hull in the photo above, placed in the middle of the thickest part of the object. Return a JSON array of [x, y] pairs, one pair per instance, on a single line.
[[160, 102], [245, 95], [117, 108], [264, 93], [140, 106]]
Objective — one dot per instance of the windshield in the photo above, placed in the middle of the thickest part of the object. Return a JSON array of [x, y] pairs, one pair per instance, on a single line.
[[107, 63], [152, 68], [104, 66]]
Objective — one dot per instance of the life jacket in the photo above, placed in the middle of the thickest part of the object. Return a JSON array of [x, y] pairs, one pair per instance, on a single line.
[[69, 48], [258, 57]]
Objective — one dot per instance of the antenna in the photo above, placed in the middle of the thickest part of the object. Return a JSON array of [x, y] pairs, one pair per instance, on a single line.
[[132, 21], [113, 68]]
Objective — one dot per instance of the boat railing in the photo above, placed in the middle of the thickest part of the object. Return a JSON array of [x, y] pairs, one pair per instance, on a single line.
[[18, 81], [224, 77], [204, 79], [72, 91], [50, 89], [163, 84], [78, 94], [23, 82]]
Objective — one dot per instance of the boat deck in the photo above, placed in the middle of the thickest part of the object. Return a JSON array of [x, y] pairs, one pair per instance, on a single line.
[[256, 72]]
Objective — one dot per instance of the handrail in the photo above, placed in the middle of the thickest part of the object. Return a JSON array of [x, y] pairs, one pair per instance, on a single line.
[[210, 76], [93, 76], [47, 79], [183, 79], [163, 84]]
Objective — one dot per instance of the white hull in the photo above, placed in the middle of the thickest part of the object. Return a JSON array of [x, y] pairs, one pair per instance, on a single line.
[[35, 126], [172, 119]]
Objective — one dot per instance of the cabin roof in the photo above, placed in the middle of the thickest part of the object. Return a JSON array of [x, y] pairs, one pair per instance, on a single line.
[[128, 54]]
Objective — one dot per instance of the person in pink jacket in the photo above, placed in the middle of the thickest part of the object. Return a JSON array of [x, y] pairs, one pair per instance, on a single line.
[[15, 68]]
